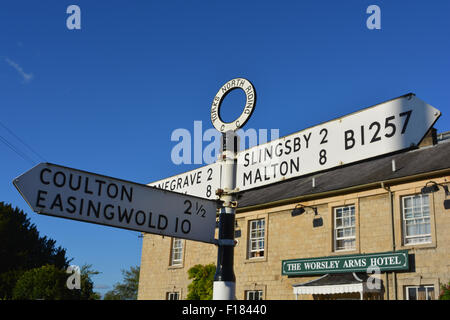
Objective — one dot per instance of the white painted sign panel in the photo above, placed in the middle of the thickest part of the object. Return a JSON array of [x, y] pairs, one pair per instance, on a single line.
[[202, 182], [387, 127], [74, 194]]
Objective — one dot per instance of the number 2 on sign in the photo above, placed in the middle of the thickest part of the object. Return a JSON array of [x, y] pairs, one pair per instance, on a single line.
[[199, 210]]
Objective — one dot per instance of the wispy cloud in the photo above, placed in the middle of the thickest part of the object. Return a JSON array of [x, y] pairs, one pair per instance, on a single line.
[[26, 76]]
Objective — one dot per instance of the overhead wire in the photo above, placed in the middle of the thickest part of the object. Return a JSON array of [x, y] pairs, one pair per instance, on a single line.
[[23, 142], [18, 152]]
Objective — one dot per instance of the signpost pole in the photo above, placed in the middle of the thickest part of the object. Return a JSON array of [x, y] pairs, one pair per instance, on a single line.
[[224, 279], [224, 287]]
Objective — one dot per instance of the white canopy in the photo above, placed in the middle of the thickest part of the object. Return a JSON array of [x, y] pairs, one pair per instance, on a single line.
[[333, 284]]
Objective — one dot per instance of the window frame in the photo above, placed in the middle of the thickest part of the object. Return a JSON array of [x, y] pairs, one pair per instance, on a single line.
[[257, 293], [174, 250], [175, 294], [352, 218], [426, 287], [404, 220], [256, 253]]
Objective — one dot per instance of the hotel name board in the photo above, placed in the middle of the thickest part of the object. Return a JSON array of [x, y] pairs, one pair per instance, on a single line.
[[385, 261]]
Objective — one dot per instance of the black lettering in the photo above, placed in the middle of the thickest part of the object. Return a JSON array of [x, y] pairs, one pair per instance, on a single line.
[[283, 168], [210, 171], [86, 184], [59, 173], [265, 174], [324, 138], [129, 194], [96, 210], [287, 145], [150, 225], [268, 153], [113, 194], [408, 115], [307, 139], [109, 216], [162, 222], [136, 217], [297, 145], [349, 136], [39, 198], [278, 152], [57, 202], [69, 201], [186, 226], [362, 135], [189, 206], [247, 161], [71, 185], [42, 175], [296, 164], [393, 128], [100, 183], [125, 215], [248, 177], [274, 169], [323, 157], [375, 137], [81, 206], [258, 175]]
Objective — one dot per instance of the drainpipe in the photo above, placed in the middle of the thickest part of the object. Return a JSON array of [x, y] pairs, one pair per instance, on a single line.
[[391, 201]]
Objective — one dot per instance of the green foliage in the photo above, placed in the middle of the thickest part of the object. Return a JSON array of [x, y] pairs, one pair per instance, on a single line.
[[87, 285], [50, 283], [22, 249], [46, 282], [445, 292], [36, 262], [201, 287], [127, 290]]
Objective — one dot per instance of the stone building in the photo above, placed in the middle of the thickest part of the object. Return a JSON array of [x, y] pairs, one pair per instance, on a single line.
[[314, 237]]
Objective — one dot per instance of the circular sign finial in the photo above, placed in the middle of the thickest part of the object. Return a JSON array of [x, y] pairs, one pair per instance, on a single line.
[[250, 94]]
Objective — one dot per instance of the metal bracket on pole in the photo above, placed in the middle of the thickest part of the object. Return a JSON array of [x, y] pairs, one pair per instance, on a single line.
[[225, 242], [226, 191]]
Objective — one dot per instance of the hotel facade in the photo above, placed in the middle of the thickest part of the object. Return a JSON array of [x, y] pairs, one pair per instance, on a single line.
[[376, 229]]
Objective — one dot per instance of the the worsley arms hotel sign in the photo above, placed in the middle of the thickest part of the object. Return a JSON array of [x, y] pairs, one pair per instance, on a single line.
[[350, 263]]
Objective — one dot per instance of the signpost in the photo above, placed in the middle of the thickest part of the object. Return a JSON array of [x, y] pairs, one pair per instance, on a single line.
[[185, 205], [388, 127], [224, 287], [202, 182], [74, 194], [384, 128]]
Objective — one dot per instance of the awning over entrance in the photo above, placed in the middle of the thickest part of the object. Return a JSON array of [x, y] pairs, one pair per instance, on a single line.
[[337, 283]]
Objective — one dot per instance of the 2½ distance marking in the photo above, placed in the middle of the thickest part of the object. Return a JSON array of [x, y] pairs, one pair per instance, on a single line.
[[198, 210]]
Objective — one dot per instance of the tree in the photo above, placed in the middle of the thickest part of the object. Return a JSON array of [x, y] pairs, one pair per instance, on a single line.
[[46, 282], [128, 289], [22, 249], [87, 285], [201, 288], [50, 283], [445, 292]]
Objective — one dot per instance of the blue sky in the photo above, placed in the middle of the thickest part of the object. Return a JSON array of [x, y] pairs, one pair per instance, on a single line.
[[107, 98]]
